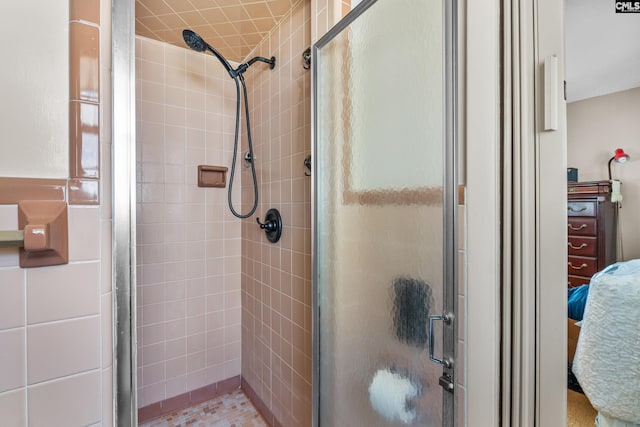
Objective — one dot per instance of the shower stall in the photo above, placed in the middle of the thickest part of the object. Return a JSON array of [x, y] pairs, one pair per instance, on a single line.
[[216, 305], [219, 305]]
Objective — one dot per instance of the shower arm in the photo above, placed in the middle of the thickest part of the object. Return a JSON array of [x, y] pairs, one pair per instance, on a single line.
[[243, 67], [271, 61]]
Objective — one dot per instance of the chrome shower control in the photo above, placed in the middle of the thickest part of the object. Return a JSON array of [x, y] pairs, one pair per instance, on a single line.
[[307, 164], [248, 158]]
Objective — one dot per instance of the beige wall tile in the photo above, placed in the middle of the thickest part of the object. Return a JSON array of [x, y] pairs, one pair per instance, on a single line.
[[175, 348], [105, 256], [12, 303], [8, 221], [13, 407], [62, 292], [84, 55], [69, 401], [152, 374], [12, 360], [460, 316], [9, 257], [84, 246], [85, 10], [461, 393], [107, 397], [460, 372], [106, 320], [84, 139], [62, 348]]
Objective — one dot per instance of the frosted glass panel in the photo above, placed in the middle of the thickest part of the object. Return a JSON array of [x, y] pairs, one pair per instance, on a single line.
[[396, 98], [380, 215]]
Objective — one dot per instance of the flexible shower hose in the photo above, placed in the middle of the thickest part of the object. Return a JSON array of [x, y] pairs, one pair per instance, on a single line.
[[235, 150]]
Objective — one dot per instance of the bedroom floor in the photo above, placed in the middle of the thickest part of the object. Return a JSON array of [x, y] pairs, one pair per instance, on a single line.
[[580, 413]]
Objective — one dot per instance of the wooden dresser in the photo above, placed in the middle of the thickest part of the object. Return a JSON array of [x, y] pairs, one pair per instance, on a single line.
[[591, 227]]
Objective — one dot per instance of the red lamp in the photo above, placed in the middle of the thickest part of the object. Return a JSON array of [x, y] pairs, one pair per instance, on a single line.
[[620, 157]]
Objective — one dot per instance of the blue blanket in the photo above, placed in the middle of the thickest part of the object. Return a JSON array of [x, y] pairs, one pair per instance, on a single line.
[[577, 297], [577, 301]]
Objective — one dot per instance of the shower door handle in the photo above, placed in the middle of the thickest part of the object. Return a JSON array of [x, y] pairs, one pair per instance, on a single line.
[[447, 319]]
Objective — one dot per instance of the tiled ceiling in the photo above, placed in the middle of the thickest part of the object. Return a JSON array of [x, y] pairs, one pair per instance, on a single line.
[[232, 27]]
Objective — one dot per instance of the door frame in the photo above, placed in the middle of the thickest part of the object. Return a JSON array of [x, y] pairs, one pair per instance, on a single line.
[[481, 141], [550, 396], [534, 350], [516, 213]]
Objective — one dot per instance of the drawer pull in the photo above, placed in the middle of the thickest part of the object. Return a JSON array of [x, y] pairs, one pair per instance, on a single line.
[[583, 208], [577, 268], [577, 228], [584, 245]]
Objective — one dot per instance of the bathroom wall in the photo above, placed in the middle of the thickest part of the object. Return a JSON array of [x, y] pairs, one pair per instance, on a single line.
[[276, 278], [45, 141], [189, 245], [55, 322], [595, 128]]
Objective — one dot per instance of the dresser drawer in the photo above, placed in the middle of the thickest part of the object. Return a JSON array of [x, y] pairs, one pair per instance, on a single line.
[[582, 246], [582, 266], [574, 281], [581, 208], [580, 226]]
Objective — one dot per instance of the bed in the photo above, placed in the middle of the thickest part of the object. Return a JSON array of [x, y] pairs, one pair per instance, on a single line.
[[604, 353]]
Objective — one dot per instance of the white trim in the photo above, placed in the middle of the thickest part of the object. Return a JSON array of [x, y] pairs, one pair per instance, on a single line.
[[551, 237], [482, 123], [534, 372], [519, 215]]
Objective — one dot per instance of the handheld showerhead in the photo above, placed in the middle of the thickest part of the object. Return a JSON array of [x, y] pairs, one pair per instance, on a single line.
[[194, 41], [197, 43]]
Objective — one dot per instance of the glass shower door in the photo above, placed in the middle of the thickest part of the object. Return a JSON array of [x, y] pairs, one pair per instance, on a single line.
[[384, 217]]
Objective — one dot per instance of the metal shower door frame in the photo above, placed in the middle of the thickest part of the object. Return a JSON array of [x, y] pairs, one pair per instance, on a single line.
[[450, 201], [124, 214]]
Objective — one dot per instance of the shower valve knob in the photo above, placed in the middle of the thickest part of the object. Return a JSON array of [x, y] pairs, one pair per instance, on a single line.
[[267, 226], [272, 225]]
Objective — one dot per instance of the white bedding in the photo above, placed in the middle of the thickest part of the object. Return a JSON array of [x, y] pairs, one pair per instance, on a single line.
[[607, 359]]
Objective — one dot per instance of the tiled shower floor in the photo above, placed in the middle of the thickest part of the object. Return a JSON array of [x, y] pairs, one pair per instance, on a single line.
[[229, 410]]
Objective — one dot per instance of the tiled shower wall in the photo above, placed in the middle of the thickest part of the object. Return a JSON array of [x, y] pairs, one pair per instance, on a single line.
[[55, 322], [276, 278], [188, 242]]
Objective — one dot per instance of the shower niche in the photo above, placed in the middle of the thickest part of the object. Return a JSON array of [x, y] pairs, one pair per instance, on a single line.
[[212, 176]]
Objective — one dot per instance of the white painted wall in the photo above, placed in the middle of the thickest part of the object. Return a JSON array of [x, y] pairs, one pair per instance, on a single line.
[[34, 89], [603, 55], [596, 127]]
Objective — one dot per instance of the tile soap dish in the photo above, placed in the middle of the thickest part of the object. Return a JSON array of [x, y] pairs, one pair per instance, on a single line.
[[212, 176]]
